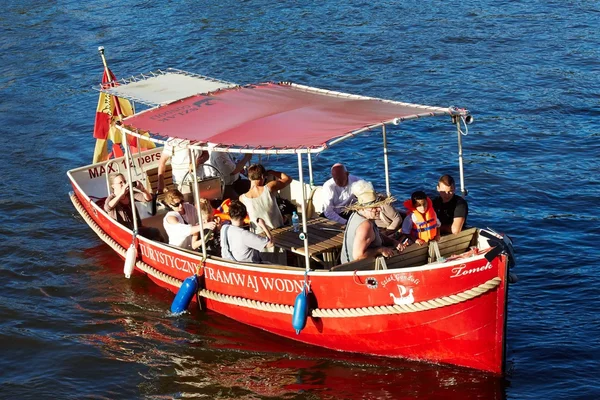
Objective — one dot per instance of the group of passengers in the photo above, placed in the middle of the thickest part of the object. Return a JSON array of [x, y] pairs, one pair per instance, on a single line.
[[373, 225]]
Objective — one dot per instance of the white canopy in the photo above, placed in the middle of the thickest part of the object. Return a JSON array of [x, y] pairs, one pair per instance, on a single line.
[[161, 87]]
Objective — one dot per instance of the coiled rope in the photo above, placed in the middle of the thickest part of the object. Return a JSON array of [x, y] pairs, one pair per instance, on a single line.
[[286, 309]]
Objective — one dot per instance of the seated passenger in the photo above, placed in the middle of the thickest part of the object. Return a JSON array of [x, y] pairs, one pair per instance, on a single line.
[[211, 227], [421, 223], [237, 243], [182, 222], [260, 200], [390, 220], [361, 237], [118, 206], [337, 194], [452, 210]]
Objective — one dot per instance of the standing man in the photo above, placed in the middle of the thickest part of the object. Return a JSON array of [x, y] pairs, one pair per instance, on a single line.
[[452, 210], [177, 151], [230, 171], [337, 194]]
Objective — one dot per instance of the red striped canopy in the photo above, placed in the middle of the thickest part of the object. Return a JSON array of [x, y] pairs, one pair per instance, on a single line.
[[273, 116]]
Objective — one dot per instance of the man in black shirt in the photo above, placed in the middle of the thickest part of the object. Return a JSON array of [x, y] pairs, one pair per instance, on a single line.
[[452, 210]]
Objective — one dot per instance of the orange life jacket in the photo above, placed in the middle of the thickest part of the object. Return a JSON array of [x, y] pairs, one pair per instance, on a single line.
[[223, 212], [426, 226]]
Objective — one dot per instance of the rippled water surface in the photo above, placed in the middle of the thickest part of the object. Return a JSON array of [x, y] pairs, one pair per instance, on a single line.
[[72, 327]]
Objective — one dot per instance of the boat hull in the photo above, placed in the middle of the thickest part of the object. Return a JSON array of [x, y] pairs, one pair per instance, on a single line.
[[452, 313]]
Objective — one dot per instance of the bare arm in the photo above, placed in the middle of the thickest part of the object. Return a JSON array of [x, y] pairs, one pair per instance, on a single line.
[[282, 180], [141, 188], [457, 225], [260, 222], [118, 196], [162, 166], [197, 238], [240, 164]]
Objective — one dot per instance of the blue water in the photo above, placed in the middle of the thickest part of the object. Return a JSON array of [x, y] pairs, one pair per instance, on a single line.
[[72, 327]]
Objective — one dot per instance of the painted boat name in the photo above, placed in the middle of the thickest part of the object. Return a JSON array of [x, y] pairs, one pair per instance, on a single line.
[[462, 271]]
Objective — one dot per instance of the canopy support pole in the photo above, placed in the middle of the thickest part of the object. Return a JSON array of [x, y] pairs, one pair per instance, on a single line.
[[385, 161], [310, 171], [303, 233], [128, 161], [464, 191], [196, 192]]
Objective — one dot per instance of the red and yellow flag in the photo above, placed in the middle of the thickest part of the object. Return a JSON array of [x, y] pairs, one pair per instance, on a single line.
[[104, 126]]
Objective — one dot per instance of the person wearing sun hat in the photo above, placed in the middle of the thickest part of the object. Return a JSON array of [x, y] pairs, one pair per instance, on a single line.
[[361, 237]]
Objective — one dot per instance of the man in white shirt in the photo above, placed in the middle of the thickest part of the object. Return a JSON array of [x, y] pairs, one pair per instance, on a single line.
[[177, 151], [337, 194], [230, 171]]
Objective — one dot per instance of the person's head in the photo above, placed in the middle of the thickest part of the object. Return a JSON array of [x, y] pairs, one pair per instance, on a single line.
[[446, 188], [237, 211], [256, 172], [367, 201], [174, 200], [117, 182], [419, 201], [206, 210], [339, 173]]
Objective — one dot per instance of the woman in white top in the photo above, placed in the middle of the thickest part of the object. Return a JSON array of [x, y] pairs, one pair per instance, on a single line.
[[260, 200], [181, 224]]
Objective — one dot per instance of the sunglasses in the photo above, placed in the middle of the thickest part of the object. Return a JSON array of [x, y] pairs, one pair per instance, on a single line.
[[176, 205]]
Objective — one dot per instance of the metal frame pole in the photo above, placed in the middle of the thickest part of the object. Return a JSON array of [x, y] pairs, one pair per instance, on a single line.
[[460, 156], [310, 170], [385, 161], [129, 162], [196, 192], [303, 233]]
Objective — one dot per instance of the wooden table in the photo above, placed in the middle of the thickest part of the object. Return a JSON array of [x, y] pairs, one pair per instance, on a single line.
[[325, 239]]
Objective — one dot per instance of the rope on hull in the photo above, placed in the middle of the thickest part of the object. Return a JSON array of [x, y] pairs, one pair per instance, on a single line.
[[286, 309]]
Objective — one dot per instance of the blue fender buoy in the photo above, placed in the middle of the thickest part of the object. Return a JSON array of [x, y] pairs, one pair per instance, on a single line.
[[182, 300], [300, 311]]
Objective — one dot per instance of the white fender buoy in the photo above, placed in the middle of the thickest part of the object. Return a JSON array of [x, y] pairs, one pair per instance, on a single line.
[[130, 257]]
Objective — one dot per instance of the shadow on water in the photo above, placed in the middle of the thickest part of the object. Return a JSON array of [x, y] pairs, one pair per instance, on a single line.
[[201, 353]]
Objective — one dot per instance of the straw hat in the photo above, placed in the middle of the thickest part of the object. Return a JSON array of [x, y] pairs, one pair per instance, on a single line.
[[366, 197]]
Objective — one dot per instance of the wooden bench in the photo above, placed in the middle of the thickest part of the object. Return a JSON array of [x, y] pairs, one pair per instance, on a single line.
[[415, 255], [152, 180], [457, 244]]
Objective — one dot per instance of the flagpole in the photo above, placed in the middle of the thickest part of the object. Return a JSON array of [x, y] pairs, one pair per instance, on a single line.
[[128, 157], [110, 78]]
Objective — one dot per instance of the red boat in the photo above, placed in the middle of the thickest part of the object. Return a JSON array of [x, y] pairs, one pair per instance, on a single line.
[[446, 305]]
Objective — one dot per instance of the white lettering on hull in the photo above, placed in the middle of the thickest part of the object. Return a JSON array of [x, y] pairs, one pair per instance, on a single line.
[[463, 271], [232, 278]]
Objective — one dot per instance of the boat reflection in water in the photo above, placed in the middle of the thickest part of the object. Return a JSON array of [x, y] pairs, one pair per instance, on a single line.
[[268, 365]]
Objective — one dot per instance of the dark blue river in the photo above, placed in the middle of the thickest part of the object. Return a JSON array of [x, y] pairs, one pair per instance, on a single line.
[[72, 327]]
